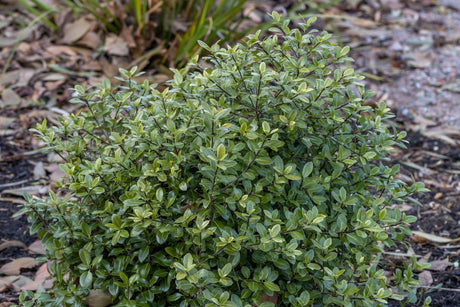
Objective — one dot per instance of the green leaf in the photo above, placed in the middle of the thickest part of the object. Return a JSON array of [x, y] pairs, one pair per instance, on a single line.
[[226, 270], [304, 298], [85, 256], [188, 261], [344, 51], [264, 160], [159, 194], [275, 230], [266, 126], [271, 286], [86, 279], [172, 251], [307, 169], [314, 266], [124, 278], [221, 154], [262, 67]]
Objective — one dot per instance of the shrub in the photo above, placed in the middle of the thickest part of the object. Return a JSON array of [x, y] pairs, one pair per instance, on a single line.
[[258, 172]]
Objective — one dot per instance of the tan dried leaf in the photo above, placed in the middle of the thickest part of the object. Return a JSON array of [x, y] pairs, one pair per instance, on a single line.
[[10, 98], [12, 243], [14, 267], [40, 279], [98, 298], [39, 171], [431, 237], [6, 121], [76, 30], [37, 248], [439, 265], [115, 45], [270, 299], [425, 278], [91, 40]]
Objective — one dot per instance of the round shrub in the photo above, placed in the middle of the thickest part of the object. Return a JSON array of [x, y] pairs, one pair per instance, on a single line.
[[258, 176]]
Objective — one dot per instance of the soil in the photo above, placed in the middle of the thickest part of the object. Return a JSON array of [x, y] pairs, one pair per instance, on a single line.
[[439, 212]]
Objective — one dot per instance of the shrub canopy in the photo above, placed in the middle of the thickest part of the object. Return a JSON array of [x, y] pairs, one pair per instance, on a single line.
[[259, 170]]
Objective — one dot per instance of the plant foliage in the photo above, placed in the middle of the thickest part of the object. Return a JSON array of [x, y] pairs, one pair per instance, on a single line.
[[257, 171]]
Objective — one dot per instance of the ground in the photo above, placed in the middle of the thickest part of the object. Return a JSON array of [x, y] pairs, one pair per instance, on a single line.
[[409, 51]]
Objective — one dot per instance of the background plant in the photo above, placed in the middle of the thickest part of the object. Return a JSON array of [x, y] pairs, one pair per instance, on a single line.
[[262, 173], [205, 20]]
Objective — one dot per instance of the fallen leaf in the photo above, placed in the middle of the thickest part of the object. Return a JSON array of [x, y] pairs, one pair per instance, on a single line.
[[33, 189], [41, 279], [453, 4], [431, 237], [419, 60], [425, 278], [54, 76], [439, 265], [14, 267], [270, 299], [20, 281], [6, 121], [10, 98], [39, 171], [17, 37], [98, 298], [418, 239], [115, 45], [56, 50], [54, 85], [453, 87], [17, 78], [5, 285], [56, 173], [12, 243], [91, 40], [42, 273], [127, 36], [37, 248], [76, 30]]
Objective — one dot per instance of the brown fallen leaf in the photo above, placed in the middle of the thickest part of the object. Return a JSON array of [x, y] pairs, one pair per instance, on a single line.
[[431, 237], [55, 50], [5, 285], [56, 173], [42, 273], [98, 298], [19, 281], [425, 278], [39, 171], [41, 279], [419, 60], [12, 243], [14, 267], [439, 265], [91, 40], [10, 98], [33, 189], [37, 248], [76, 30], [270, 299], [17, 78], [419, 239], [116, 45]]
